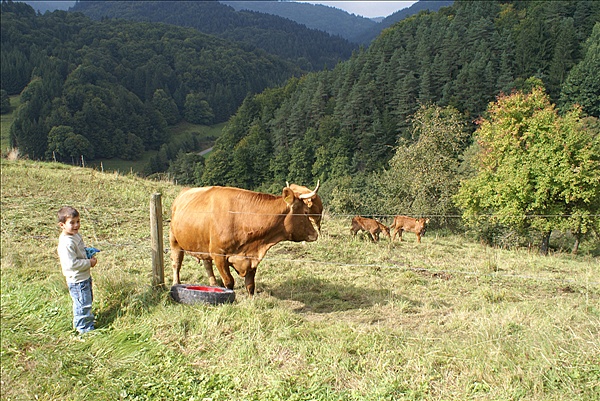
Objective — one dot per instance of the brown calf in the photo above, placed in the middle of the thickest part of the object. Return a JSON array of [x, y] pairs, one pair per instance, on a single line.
[[373, 227], [404, 223]]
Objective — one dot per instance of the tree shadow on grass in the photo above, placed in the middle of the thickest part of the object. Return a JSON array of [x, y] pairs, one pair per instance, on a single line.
[[319, 296]]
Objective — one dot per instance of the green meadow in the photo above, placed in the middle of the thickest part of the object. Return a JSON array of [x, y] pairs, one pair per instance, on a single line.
[[336, 319]]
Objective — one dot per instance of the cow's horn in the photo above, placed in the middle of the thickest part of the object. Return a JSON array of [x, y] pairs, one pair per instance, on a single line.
[[311, 194], [287, 184]]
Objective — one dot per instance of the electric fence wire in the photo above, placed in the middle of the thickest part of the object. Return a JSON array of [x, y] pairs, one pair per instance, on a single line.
[[395, 265]]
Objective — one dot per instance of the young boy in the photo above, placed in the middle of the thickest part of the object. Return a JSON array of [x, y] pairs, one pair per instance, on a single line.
[[76, 268]]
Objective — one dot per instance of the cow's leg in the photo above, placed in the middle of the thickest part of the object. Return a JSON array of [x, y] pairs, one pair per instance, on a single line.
[[418, 238], [223, 267], [176, 259], [375, 236], [354, 229], [249, 281], [209, 272], [401, 231]]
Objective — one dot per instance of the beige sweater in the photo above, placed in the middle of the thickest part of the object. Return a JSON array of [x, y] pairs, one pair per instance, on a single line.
[[71, 251]]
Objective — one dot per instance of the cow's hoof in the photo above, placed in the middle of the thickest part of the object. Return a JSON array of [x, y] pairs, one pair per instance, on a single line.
[[193, 294]]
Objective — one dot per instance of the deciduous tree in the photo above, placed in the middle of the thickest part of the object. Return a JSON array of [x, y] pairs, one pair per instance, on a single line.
[[536, 171], [423, 175]]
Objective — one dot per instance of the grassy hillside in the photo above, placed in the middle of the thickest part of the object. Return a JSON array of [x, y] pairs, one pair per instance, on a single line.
[[338, 319]]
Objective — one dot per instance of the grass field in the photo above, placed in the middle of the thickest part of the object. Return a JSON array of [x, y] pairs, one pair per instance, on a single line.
[[337, 319]]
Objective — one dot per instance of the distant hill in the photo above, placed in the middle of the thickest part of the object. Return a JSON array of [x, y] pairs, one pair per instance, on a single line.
[[43, 6], [315, 16], [371, 33], [110, 88], [310, 49], [352, 27], [336, 22]]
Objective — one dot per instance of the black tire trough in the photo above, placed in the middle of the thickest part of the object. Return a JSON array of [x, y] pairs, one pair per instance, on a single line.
[[195, 293]]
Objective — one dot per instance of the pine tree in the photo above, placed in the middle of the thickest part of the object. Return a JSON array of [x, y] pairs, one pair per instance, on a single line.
[[583, 83]]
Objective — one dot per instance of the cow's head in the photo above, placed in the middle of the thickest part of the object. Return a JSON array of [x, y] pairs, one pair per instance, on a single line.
[[297, 224], [421, 226], [385, 230], [312, 201]]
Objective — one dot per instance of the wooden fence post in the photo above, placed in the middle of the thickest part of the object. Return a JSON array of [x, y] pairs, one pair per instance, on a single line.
[[156, 237]]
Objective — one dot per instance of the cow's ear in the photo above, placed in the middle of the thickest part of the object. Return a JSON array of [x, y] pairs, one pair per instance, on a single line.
[[288, 195]]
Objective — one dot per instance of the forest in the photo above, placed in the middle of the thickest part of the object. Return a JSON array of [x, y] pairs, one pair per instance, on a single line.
[[310, 49], [355, 28], [110, 88], [399, 127]]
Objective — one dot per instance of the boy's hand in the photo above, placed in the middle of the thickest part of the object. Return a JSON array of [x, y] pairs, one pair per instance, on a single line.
[[91, 251], [93, 261]]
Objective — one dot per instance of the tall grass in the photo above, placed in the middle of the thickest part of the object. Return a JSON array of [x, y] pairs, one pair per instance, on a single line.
[[337, 319]]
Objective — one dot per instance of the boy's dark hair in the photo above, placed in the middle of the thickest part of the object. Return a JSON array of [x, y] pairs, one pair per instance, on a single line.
[[66, 212]]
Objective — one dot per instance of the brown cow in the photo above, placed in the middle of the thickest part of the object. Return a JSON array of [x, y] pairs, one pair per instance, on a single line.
[[371, 226], [235, 228], [314, 203], [404, 223]]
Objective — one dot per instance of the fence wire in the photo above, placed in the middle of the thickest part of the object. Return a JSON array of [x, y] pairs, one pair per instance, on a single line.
[[393, 266]]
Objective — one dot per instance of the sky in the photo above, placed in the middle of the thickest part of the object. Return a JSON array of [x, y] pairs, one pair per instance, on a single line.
[[369, 9]]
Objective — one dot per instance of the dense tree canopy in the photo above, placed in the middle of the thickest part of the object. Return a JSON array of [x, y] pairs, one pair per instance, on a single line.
[[310, 49], [118, 83], [583, 82], [4, 102], [536, 170], [347, 121], [423, 174]]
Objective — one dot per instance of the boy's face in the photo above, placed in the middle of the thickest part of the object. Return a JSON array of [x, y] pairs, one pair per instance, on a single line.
[[71, 226]]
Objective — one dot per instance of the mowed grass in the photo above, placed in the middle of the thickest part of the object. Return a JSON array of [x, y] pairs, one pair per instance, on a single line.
[[336, 319]]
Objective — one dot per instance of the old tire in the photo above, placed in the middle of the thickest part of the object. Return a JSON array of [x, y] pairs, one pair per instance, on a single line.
[[193, 294]]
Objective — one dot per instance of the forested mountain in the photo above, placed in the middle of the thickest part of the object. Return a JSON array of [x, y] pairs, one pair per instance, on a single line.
[[109, 88], [368, 35], [315, 16], [336, 22], [310, 49], [355, 28], [347, 121]]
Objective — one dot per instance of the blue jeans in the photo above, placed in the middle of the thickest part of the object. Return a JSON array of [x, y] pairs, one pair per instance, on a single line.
[[83, 319]]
